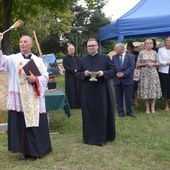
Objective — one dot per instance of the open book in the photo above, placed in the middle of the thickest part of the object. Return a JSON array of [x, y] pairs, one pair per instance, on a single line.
[[31, 66]]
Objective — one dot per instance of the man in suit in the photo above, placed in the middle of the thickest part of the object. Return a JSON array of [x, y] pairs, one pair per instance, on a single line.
[[123, 81]]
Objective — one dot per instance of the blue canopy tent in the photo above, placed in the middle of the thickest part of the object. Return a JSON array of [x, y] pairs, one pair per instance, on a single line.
[[149, 18]]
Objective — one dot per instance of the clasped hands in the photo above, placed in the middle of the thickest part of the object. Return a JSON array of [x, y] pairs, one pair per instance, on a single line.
[[120, 75], [150, 64]]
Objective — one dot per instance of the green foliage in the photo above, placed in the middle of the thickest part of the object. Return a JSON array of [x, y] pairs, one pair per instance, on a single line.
[[51, 44], [108, 46], [60, 55], [95, 3], [85, 26], [47, 23], [46, 18]]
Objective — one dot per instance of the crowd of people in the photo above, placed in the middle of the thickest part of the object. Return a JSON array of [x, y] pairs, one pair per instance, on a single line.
[[87, 86], [135, 75], [140, 75], [154, 80]]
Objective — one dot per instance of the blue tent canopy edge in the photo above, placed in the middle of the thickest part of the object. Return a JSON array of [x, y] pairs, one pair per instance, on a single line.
[[147, 19]]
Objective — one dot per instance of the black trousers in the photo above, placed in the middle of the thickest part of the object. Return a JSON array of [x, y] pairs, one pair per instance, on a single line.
[[124, 94]]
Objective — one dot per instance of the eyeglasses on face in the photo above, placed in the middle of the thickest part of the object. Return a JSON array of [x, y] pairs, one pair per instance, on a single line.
[[91, 45]]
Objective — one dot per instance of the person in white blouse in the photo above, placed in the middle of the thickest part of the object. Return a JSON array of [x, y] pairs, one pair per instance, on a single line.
[[164, 72]]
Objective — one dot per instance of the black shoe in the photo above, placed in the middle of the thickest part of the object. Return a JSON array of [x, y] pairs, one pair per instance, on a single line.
[[121, 115], [22, 155], [131, 115], [101, 144]]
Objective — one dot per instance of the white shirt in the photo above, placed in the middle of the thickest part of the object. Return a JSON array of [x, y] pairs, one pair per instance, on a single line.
[[123, 57], [164, 57]]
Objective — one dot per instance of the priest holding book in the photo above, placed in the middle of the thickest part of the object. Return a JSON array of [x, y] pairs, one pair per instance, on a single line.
[[28, 131]]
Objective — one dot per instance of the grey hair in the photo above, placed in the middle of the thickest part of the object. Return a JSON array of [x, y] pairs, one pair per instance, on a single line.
[[121, 45], [29, 37], [70, 45]]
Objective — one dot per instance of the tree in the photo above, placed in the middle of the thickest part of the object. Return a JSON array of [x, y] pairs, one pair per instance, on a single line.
[[34, 18], [85, 26], [38, 14]]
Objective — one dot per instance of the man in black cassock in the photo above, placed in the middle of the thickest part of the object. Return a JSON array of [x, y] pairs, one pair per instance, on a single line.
[[97, 98], [72, 85]]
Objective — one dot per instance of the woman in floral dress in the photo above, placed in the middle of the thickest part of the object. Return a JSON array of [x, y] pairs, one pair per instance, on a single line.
[[149, 85]]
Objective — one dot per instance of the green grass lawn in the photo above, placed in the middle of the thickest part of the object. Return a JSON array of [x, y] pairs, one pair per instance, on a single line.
[[142, 143]]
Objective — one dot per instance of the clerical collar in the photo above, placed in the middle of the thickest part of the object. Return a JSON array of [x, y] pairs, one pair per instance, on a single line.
[[27, 56], [94, 54]]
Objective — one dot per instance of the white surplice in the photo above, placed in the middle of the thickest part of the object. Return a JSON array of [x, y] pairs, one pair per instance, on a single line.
[[16, 90]]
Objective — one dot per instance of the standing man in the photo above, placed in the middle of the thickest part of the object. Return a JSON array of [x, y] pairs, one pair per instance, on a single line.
[[28, 131], [123, 81], [97, 99], [72, 85]]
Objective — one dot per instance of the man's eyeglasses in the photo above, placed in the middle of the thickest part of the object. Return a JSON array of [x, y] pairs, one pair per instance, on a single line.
[[91, 45]]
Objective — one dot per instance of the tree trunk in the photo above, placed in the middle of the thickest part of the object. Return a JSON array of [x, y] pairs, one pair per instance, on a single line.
[[6, 23]]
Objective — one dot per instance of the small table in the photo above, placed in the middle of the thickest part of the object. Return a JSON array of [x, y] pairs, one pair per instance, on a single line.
[[57, 101]]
